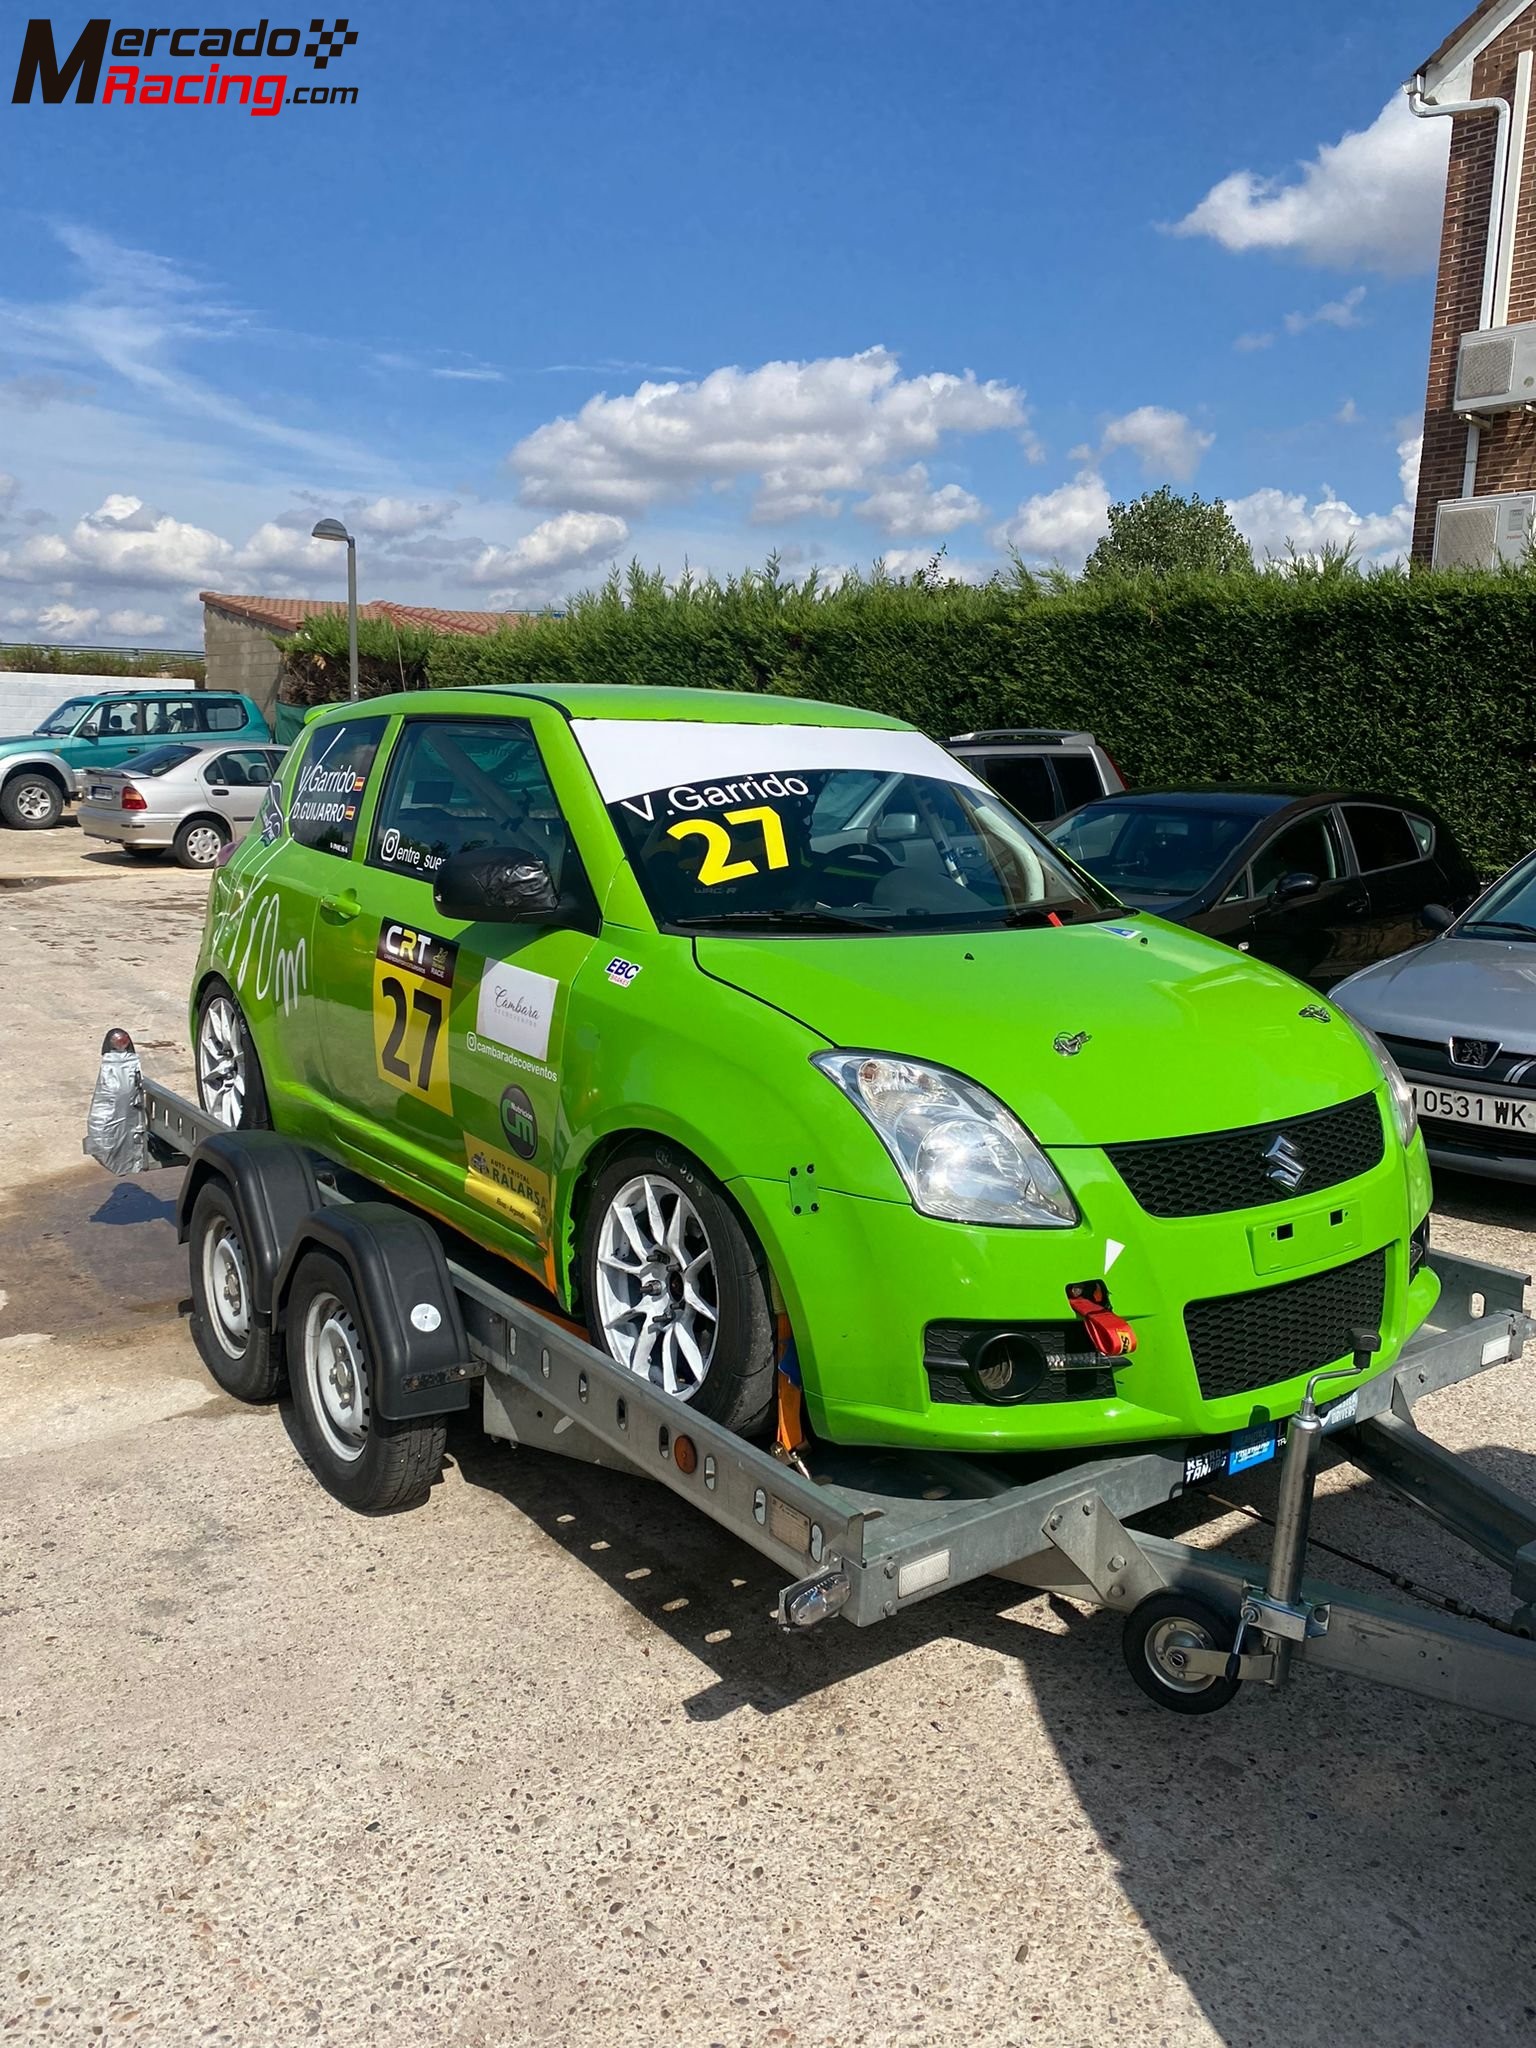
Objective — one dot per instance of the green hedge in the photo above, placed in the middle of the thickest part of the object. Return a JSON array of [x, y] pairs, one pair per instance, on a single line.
[[1421, 686]]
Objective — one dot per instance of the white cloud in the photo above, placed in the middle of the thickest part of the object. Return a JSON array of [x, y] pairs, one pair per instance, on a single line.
[[394, 517], [1274, 522], [1343, 312], [134, 624], [66, 621], [9, 487], [1372, 199], [486, 376], [552, 551], [1165, 442], [1061, 525], [909, 561], [906, 504], [124, 541], [277, 548], [1250, 342], [1348, 414], [804, 432]]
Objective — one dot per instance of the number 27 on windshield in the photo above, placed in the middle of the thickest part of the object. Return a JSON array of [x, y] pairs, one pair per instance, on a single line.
[[717, 864]]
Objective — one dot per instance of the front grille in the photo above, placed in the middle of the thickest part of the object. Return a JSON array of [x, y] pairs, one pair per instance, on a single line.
[[1240, 1342], [948, 1348], [1509, 1066], [1230, 1169]]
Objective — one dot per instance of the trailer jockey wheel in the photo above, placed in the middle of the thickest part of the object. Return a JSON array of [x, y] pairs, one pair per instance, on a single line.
[[1159, 1633]]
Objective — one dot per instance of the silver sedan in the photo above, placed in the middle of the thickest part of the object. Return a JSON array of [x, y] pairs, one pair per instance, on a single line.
[[1459, 1017], [193, 800]]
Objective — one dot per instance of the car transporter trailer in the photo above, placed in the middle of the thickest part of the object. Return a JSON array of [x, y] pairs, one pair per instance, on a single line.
[[866, 1534]]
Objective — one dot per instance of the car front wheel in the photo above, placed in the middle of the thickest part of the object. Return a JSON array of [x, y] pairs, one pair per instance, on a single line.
[[31, 802], [229, 1080], [676, 1289]]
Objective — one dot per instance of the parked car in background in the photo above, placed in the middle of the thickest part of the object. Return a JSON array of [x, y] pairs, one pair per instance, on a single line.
[[189, 798], [1460, 1018], [1319, 882], [1041, 773], [42, 770]]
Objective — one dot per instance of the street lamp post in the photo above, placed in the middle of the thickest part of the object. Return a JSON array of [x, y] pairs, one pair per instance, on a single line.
[[332, 529]]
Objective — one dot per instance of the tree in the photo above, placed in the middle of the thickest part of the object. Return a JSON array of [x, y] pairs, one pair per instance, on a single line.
[[1161, 534]]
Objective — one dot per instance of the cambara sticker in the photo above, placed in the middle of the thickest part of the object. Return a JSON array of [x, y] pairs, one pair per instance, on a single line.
[[516, 1007]]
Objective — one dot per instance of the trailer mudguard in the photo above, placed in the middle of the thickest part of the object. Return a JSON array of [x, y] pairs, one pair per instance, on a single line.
[[418, 1353], [275, 1190]]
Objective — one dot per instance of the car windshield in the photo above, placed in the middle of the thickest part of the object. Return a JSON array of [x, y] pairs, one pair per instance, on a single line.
[[1152, 849], [66, 718], [800, 847], [158, 760], [1509, 908]]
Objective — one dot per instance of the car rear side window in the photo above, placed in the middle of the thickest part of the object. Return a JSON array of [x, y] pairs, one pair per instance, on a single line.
[[1024, 782], [1382, 838], [223, 714], [172, 715], [1079, 777], [456, 786], [1424, 832], [328, 790], [240, 768]]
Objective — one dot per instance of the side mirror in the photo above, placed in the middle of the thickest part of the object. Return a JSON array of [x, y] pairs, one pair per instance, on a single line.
[[897, 825], [1435, 917], [498, 884], [1289, 887]]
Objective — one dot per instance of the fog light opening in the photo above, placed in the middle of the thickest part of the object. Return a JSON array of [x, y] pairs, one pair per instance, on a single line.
[[1008, 1367]]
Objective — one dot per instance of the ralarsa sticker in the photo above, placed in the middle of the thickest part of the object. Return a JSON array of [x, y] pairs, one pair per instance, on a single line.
[[412, 987], [622, 972], [500, 1182], [519, 1124]]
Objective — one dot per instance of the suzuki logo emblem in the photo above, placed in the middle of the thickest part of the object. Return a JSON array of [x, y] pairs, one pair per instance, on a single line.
[[1284, 1165]]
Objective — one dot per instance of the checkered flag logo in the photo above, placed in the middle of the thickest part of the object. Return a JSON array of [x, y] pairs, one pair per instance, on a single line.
[[329, 42]]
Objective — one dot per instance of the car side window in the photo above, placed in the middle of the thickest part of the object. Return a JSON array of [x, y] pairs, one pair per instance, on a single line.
[[1424, 832], [1309, 847], [241, 768], [165, 715], [328, 789], [1079, 777], [1238, 893], [456, 785], [1024, 782], [222, 714], [1382, 838], [121, 715]]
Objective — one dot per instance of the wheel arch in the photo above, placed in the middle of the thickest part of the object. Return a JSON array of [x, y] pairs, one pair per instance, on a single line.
[[39, 764]]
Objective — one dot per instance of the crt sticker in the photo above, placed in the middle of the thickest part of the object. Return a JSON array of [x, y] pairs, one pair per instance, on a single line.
[[412, 987]]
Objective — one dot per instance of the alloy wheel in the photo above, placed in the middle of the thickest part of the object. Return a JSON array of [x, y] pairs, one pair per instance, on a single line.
[[658, 1298], [221, 1062]]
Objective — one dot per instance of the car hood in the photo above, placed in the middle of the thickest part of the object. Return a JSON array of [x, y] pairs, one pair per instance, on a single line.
[[28, 743], [1183, 1035], [1467, 988]]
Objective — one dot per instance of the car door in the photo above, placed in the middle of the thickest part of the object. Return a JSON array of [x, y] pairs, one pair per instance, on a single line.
[[1312, 933], [112, 734], [1399, 878], [453, 1086], [236, 783]]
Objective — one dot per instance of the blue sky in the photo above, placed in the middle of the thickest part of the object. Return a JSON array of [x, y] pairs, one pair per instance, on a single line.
[[694, 279]]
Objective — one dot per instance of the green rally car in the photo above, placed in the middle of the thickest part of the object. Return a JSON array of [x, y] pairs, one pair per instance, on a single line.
[[767, 1037]]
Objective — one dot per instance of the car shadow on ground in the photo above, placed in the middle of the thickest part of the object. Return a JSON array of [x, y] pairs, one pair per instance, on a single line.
[[1299, 1858]]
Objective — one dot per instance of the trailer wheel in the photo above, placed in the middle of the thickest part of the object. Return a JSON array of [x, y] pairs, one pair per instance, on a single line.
[[234, 1342], [1158, 1632], [229, 1079], [676, 1289], [369, 1463]]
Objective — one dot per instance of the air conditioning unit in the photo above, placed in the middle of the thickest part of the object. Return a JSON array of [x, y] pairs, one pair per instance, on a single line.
[[1479, 533], [1496, 369]]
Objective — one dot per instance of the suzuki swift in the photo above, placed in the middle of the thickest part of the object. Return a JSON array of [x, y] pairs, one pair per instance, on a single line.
[[770, 1040]]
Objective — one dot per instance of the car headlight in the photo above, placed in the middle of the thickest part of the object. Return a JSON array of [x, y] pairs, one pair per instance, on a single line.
[[1404, 1109], [963, 1156]]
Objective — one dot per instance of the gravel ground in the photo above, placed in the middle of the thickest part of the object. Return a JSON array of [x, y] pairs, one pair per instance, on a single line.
[[529, 1764]]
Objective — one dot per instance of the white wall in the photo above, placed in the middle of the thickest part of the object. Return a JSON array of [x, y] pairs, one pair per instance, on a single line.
[[26, 700]]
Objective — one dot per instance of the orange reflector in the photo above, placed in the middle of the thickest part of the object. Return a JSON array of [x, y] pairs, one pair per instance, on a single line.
[[684, 1455]]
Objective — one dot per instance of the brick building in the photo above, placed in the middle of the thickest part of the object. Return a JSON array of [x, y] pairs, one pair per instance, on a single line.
[[1480, 407], [242, 653]]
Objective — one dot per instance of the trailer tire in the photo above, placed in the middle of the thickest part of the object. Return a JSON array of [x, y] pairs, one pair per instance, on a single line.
[[1156, 1632], [736, 1388], [233, 1337], [369, 1463]]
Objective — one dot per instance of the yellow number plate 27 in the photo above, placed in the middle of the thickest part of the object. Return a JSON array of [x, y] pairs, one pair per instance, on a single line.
[[412, 989]]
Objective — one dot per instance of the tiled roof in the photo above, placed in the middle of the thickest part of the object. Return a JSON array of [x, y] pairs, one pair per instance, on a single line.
[[287, 614]]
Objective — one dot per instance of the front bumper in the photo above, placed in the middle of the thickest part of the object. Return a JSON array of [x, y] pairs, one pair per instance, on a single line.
[[864, 1279]]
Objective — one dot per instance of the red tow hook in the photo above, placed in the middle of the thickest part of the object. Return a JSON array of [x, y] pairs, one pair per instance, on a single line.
[[1109, 1334]]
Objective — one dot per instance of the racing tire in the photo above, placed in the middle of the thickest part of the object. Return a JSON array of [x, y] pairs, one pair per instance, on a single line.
[[1157, 1631], [199, 842], [230, 1086], [372, 1465], [233, 1341], [676, 1288], [31, 802]]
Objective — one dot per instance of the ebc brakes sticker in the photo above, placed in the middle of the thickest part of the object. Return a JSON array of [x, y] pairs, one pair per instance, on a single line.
[[412, 988]]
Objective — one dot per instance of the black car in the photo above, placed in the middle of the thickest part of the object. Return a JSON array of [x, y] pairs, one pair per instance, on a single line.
[[1319, 882]]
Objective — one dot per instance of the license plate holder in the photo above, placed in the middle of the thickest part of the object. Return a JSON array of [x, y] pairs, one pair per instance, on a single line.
[[1475, 1108]]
